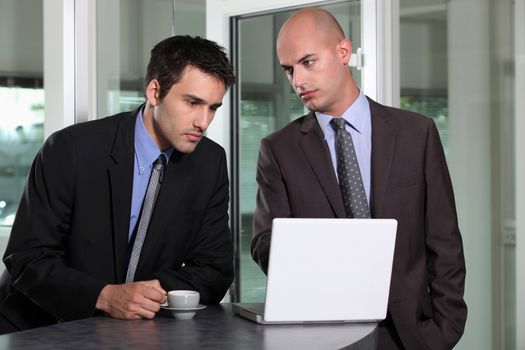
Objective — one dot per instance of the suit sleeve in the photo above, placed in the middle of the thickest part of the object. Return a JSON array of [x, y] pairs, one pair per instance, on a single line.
[[208, 267], [36, 257], [445, 260], [272, 202]]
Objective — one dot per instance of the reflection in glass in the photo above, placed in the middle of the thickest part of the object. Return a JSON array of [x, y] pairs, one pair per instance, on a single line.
[[21, 134], [434, 106]]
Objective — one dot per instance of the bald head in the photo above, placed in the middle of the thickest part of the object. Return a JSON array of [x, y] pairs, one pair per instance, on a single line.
[[315, 54], [313, 21]]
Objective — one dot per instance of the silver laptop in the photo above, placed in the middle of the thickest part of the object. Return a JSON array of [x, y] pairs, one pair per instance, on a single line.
[[326, 270]]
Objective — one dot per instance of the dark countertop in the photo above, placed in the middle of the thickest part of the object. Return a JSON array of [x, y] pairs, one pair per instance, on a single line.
[[212, 328]]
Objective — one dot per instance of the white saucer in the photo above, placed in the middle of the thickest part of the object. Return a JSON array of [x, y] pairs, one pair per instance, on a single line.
[[183, 313], [183, 309]]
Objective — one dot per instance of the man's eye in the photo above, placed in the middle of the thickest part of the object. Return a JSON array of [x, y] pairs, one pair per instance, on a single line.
[[308, 62], [288, 71]]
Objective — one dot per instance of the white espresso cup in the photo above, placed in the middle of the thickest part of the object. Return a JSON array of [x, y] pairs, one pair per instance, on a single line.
[[183, 299]]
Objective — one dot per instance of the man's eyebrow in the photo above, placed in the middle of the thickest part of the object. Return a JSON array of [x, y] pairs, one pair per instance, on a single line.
[[306, 57], [300, 60], [216, 105], [195, 98], [202, 101]]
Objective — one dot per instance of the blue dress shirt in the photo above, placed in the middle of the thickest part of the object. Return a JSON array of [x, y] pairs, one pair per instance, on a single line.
[[146, 152], [358, 116]]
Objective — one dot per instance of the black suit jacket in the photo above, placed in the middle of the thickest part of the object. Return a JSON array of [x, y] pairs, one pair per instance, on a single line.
[[409, 182], [70, 235]]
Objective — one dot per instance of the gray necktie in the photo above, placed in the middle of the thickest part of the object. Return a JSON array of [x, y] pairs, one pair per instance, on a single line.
[[350, 181], [147, 208]]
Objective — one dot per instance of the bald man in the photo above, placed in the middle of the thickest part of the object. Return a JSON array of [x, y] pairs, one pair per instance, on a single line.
[[402, 171]]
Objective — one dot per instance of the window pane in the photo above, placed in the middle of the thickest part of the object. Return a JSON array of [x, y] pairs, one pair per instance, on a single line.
[[21, 98], [126, 32], [423, 47]]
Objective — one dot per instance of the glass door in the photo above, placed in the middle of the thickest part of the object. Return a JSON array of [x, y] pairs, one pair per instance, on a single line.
[[264, 102]]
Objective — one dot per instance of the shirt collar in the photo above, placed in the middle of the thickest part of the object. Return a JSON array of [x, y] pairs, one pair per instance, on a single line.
[[146, 150], [355, 115]]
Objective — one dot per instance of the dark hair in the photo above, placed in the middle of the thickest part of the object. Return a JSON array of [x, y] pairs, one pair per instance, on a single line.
[[171, 56]]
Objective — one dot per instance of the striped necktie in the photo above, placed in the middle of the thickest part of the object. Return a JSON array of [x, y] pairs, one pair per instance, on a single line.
[[147, 208]]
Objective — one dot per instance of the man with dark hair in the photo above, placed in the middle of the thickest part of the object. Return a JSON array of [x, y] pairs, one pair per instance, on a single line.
[[352, 157], [93, 235]]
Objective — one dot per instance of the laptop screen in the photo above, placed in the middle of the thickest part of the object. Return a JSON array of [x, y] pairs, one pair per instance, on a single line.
[[329, 269]]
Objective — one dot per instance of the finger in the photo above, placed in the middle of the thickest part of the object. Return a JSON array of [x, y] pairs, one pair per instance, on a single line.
[[148, 314], [160, 290], [140, 306], [148, 308], [144, 313], [152, 294], [155, 285]]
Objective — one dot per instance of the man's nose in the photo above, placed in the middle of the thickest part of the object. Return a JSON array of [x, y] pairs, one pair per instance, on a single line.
[[298, 78], [204, 119]]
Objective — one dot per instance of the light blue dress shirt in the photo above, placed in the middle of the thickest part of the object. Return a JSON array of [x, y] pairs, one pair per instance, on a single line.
[[358, 116], [146, 152]]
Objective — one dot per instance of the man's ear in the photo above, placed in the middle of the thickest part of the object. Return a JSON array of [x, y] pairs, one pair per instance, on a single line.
[[153, 92], [344, 48]]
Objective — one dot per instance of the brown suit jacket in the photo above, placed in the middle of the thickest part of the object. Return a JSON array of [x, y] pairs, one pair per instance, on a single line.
[[409, 182]]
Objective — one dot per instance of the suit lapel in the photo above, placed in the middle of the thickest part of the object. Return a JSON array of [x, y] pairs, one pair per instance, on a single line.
[[318, 155], [120, 173], [383, 142], [175, 183]]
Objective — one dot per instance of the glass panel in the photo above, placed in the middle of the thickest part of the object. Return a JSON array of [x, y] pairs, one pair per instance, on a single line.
[[457, 67], [21, 98], [127, 31], [267, 103], [424, 71]]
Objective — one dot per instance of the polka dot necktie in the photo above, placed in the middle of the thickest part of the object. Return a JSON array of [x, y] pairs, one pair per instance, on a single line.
[[350, 181]]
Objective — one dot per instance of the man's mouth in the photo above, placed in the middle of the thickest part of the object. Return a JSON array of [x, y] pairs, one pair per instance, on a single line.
[[305, 95], [194, 136]]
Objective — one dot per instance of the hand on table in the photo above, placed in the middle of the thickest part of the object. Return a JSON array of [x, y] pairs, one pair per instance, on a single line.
[[131, 301]]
